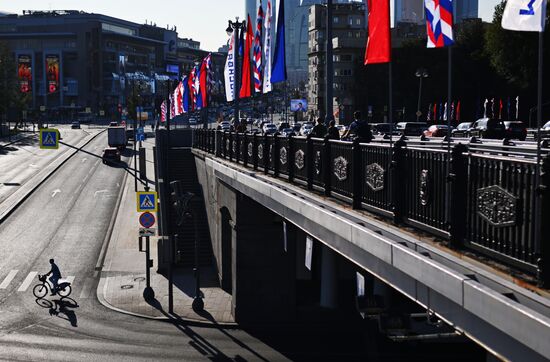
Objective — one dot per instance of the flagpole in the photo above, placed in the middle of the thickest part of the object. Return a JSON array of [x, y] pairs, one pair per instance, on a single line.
[[329, 65]]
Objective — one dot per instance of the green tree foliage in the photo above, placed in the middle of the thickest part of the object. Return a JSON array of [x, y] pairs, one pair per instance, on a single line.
[[12, 101]]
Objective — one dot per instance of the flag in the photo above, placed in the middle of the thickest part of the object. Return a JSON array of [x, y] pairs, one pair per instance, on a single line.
[[204, 81], [435, 112], [172, 109], [493, 111], [209, 78], [523, 15], [445, 112], [176, 101], [279, 62], [163, 111], [429, 114], [245, 76], [500, 109], [439, 22], [458, 111], [191, 85], [508, 114], [185, 94], [258, 51], [517, 108], [197, 97], [485, 108], [229, 70], [452, 118], [267, 49], [379, 39]]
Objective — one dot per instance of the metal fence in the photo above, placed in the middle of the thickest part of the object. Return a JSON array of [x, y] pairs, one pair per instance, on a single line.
[[484, 201]]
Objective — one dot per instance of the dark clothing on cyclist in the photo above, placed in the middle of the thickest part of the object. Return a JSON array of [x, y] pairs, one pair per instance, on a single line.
[[56, 275], [319, 131], [333, 133]]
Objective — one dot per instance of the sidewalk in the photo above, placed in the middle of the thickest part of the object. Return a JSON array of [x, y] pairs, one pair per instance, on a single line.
[[123, 273]]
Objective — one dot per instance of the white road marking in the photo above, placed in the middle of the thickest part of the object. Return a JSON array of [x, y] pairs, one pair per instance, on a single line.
[[55, 192], [100, 192], [8, 279], [28, 280], [87, 288]]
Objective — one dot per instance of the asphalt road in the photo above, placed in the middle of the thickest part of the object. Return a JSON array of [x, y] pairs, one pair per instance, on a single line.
[[67, 219]]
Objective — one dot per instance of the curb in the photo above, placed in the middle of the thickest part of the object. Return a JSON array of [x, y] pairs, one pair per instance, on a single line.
[[45, 177], [102, 285]]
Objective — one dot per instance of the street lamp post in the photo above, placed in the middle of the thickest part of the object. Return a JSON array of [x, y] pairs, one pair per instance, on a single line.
[[236, 26], [420, 74]]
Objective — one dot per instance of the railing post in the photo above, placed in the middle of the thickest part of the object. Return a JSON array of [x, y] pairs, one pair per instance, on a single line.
[[309, 157], [276, 154], [255, 151], [397, 174], [290, 159], [230, 146], [266, 153], [244, 145], [458, 179], [218, 136], [543, 262], [326, 169], [357, 174]]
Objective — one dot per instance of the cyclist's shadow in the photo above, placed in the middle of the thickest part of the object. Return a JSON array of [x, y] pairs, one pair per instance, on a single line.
[[62, 308]]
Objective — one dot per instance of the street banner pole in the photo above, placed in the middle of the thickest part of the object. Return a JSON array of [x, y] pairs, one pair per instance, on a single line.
[[538, 197]]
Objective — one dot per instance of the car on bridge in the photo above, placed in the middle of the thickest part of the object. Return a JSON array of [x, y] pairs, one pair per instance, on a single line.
[[436, 130], [111, 155], [75, 125], [488, 128], [411, 128], [461, 130], [515, 130], [269, 128]]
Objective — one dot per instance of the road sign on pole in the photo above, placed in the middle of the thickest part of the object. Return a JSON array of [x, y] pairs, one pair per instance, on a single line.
[[146, 201], [49, 139], [147, 220]]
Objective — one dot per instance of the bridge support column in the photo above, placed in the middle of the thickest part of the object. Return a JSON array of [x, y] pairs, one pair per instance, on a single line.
[[329, 278]]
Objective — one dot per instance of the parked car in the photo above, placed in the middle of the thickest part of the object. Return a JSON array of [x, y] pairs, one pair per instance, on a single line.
[[488, 128], [306, 129], [515, 130], [113, 124], [287, 132], [269, 128], [436, 130], [111, 154], [411, 128], [225, 126], [297, 127], [462, 129], [283, 125], [75, 125], [383, 129]]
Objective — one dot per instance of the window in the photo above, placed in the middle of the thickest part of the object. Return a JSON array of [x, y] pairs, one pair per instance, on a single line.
[[358, 21], [350, 20], [335, 20]]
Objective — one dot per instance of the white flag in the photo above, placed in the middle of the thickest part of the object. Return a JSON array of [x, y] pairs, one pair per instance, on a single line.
[[267, 49], [524, 15], [229, 71]]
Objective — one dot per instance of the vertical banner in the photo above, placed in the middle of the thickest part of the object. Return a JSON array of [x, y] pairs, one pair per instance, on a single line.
[[229, 71], [52, 72], [309, 251], [24, 73]]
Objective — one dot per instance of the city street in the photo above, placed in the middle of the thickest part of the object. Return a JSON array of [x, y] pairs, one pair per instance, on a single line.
[[67, 218]]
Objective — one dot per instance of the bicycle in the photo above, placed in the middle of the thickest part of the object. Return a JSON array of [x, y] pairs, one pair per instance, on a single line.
[[41, 290]]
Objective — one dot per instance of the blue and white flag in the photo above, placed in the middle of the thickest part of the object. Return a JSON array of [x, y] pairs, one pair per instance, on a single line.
[[267, 87], [524, 15], [229, 71], [279, 62]]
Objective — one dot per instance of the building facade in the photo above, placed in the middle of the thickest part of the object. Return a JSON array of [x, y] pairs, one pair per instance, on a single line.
[[349, 37]]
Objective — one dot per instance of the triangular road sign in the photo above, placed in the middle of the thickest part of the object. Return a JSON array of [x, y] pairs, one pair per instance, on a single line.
[[146, 203]]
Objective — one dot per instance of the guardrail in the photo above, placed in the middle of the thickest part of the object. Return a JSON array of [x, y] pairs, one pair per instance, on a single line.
[[485, 201]]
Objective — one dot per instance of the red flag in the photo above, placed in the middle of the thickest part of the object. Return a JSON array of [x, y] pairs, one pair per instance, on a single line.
[[203, 76], [500, 109], [458, 111], [246, 79], [379, 40]]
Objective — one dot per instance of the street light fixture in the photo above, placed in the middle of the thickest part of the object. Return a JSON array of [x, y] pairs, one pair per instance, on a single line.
[[236, 26], [420, 74]]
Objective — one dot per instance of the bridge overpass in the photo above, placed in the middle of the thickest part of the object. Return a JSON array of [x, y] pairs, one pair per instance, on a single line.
[[452, 245]]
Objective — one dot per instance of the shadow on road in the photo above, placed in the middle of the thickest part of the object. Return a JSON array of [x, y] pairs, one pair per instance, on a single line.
[[62, 308]]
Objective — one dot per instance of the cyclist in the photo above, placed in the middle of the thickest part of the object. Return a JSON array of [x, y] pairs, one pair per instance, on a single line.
[[56, 275]]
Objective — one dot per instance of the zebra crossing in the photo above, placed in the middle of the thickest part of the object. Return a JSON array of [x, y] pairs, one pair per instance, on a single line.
[[84, 285]]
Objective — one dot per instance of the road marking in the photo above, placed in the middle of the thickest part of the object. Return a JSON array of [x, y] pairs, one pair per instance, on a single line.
[[87, 288], [100, 192], [55, 192], [8, 279], [84, 160], [69, 279], [28, 280]]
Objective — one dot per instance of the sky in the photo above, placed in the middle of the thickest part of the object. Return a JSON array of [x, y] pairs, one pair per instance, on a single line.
[[202, 20]]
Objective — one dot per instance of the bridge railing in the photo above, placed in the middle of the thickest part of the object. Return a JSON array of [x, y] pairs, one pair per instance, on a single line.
[[486, 202]]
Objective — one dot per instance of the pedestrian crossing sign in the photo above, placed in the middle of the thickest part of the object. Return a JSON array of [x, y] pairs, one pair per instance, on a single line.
[[146, 201], [49, 139]]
